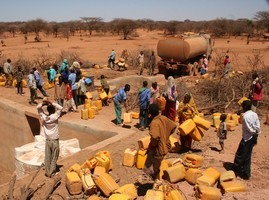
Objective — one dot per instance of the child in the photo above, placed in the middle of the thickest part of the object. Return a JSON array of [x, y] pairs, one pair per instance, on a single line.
[[70, 104], [222, 132], [57, 91], [19, 76], [155, 93], [144, 100], [81, 91], [105, 87]]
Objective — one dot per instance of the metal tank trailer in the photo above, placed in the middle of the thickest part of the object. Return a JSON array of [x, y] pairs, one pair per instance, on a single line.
[[181, 55]]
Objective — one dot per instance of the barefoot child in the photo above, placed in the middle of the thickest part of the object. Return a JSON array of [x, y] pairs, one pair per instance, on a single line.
[[222, 132], [70, 104]]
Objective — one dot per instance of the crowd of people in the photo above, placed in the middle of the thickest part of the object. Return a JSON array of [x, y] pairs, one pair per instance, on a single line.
[[70, 87]]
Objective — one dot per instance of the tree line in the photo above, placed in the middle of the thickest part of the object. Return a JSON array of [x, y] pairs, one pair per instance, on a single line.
[[126, 27]]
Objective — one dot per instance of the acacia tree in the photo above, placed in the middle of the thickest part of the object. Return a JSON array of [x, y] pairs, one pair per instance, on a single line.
[[12, 28], [262, 18], [37, 26], [126, 27], [219, 27], [171, 27], [91, 22], [55, 28]]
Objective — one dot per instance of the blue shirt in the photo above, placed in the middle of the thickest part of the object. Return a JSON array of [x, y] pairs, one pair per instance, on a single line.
[[120, 96], [72, 77], [144, 98], [113, 55], [52, 74], [38, 79], [64, 65]]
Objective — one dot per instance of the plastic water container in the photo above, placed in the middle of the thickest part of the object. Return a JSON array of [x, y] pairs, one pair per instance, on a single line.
[[88, 101], [193, 160], [106, 184], [227, 176], [120, 197], [84, 114], [109, 95], [228, 118], [207, 193], [235, 118], [107, 154], [98, 170], [241, 100], [91, 113], [186, 127], [230, 125], [143, 143], [88, 184], [141, 159], [103, 95], [216, 121], [173, 161], [199, 121], [164, 165], [90, 163], [233, 186], [128, 189], [127, 118], [161, 103], [154, 195], [212, 172], [98, 104], [129, 158], [74, 168], [135, 115], [192, 174], [175, 173], [73, 183], [205, 181], [103, 161], [196, 134]]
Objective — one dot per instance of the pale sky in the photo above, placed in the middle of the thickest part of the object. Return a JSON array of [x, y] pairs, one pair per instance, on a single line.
[[157, 10]]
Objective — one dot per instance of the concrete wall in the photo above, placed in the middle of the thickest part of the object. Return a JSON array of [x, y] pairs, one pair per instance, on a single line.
[[19, 124], [15, 132]]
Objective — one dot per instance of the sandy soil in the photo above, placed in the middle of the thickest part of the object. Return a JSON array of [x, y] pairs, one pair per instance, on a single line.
[[97, 49]]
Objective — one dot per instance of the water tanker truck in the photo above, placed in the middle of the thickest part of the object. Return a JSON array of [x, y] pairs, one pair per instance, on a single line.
[[181, 55]]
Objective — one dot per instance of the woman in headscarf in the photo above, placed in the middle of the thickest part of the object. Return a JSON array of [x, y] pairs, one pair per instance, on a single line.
[[186, 110], [171, 97]]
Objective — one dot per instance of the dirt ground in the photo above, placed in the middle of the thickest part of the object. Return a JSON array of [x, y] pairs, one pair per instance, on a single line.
[[97, 49]]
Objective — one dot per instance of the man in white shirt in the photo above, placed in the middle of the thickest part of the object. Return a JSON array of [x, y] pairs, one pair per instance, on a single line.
[[8, 73], [250, 131], [50, 130], [141, 62]]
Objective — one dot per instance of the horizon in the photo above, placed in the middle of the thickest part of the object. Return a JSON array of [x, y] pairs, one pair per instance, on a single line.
[[156, 10]]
